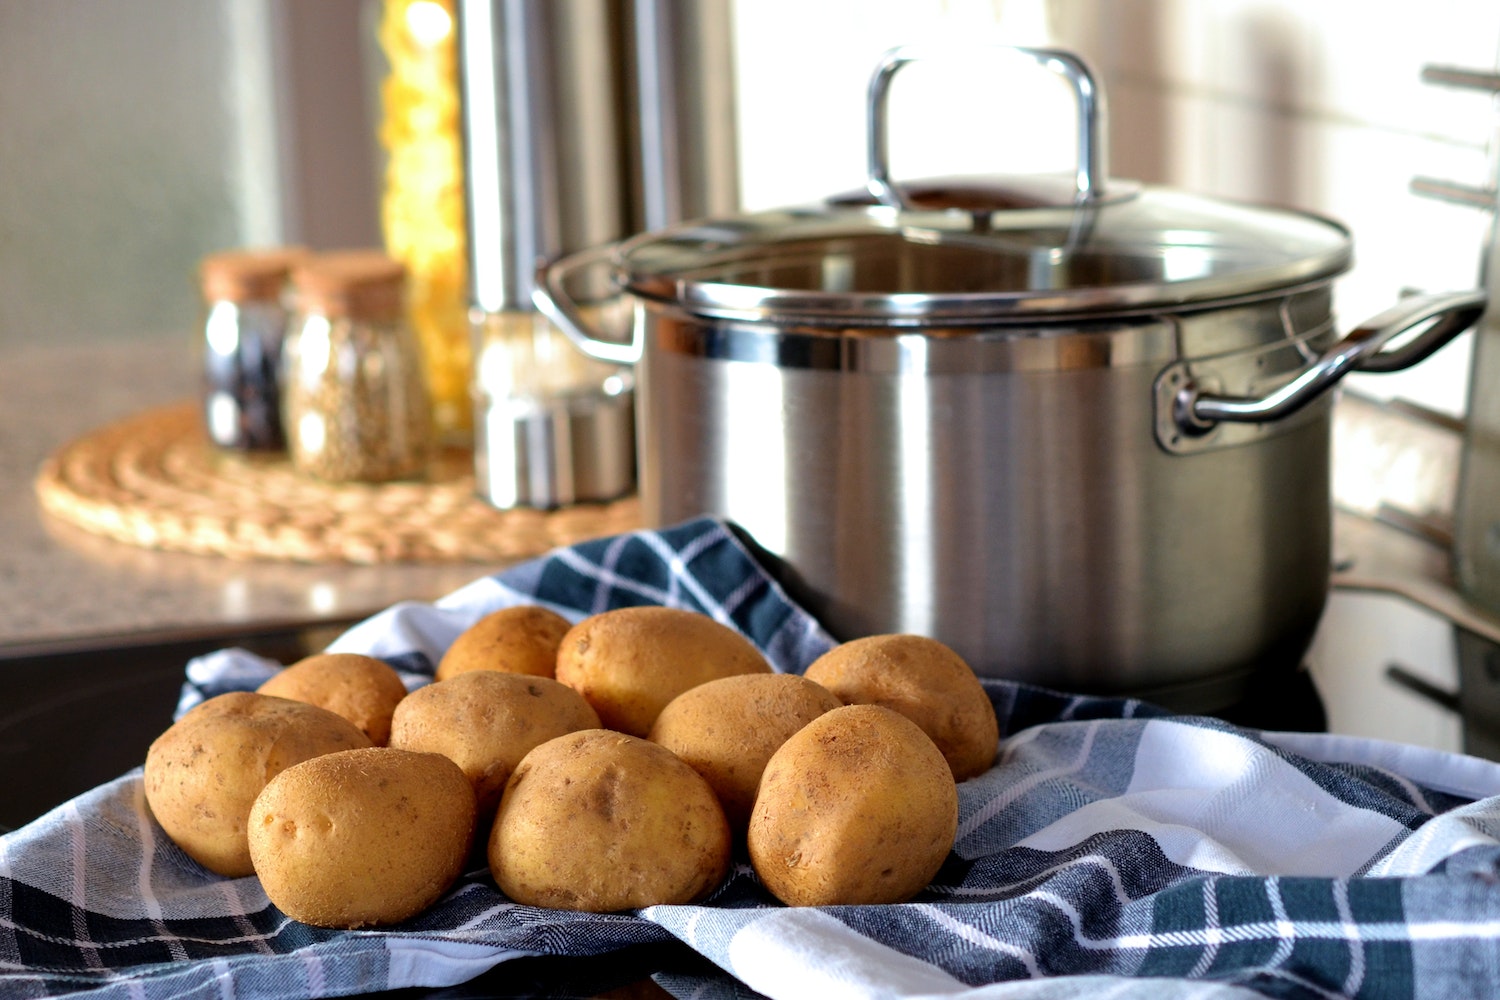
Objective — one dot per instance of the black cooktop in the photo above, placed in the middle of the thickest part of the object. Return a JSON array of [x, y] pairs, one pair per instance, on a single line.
[[74, 719]]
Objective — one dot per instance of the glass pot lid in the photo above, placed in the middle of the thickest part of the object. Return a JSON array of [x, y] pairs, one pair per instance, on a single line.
[[1157, 250], [984, 250]]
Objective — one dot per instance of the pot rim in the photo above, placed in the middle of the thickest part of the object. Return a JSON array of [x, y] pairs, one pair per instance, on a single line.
[[1155, 250]]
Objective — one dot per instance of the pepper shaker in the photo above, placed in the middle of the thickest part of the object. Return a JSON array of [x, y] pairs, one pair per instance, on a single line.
[[356, 405], [245, 321]]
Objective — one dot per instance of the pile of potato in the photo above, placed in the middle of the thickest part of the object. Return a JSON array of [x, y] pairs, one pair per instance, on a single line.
[[613, 764]]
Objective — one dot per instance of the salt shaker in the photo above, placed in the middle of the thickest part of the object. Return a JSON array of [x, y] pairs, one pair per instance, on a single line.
[[244, 323], [552, 426], [355, 401]]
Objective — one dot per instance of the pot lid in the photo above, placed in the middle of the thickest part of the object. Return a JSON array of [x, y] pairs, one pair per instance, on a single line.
[[1136, 249], [985, 250]]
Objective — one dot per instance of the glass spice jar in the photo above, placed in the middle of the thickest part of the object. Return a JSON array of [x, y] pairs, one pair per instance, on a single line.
[[355, 402], [244, 323]]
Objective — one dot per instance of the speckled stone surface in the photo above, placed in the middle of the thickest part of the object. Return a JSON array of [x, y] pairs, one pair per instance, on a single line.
[[62, 586]]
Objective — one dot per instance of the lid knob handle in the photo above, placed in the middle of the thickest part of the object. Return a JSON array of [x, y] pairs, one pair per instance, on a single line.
[[1093, 167]]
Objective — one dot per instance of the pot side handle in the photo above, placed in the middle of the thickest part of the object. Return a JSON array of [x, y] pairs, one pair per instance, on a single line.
[[552, 299], [1196, 412]]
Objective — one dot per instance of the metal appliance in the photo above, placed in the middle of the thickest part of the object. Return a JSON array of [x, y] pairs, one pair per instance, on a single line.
[[584, 121]]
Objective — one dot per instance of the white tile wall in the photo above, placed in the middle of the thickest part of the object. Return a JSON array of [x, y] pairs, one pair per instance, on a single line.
[[1314, 104], [802, 66]]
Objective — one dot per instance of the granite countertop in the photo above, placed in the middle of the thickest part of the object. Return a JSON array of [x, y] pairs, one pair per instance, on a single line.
[[63, 588]]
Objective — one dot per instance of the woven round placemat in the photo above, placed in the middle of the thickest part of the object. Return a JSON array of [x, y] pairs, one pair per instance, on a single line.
[[155, 480]]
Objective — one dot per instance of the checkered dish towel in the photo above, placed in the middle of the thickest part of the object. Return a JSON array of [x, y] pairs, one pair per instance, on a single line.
[[1113, 850]]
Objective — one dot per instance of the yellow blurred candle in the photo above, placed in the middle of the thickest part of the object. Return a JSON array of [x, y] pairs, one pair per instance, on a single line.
[[422, 209]]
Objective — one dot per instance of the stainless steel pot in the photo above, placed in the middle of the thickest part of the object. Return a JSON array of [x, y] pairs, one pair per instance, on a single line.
[[1081, 438]]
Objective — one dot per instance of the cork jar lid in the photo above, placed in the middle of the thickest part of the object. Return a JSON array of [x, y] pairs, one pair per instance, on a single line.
[[247, 275], [357, 284]]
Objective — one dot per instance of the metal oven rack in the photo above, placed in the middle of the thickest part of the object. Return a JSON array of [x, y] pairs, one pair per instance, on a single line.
[[1472, 535]]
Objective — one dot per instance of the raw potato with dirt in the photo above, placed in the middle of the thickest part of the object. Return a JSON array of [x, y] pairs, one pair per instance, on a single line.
[[727, 730], [630, 662], [362, 838], [551, 781], [204, 772], [859, 807], [361, 688], [602, 821], [925, 681], [518, 640], [485, 721]]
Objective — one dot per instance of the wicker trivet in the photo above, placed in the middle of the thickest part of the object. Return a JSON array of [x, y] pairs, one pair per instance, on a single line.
[[154, 480]]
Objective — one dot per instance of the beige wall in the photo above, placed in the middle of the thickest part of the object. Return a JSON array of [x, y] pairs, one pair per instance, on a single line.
[[1316, 104], [137, 135]]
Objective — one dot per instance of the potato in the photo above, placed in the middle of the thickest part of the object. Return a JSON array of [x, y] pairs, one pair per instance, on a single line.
[[486, 721], [203, 773], [518, 640], [925, 681], [858, 807], [363, 837], [629, 662], [728, 729], [601, 821], [361, 688]]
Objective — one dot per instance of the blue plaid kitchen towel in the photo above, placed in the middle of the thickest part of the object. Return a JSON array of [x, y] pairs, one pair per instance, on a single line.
[[1113, 850]]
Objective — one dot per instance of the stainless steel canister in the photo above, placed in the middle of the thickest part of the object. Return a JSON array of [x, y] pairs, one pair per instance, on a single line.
[[1080, 436], [584, 121]]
